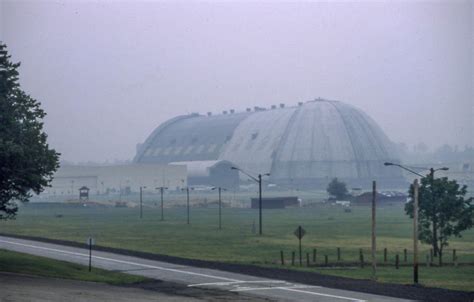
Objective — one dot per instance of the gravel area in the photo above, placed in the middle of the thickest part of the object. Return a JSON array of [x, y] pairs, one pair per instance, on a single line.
[[22, 288], [18, 288]]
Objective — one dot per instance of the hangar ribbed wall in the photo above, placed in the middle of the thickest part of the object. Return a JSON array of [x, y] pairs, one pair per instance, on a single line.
[[315, 141]]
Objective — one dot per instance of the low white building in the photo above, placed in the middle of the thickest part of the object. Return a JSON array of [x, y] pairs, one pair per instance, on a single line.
[[117, 178]]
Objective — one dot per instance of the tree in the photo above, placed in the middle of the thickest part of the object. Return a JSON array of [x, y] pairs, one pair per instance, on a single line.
[[442, 211], [27, 163], [337, 188]]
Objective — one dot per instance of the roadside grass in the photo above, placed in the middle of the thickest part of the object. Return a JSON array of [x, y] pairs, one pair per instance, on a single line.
[[446, 277], [327, 228], [20, 263]]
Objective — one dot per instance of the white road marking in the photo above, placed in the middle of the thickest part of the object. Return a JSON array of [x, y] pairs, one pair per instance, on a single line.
[[236, 282], [242, 289], [120, 261], [324, 295], [175, 270]]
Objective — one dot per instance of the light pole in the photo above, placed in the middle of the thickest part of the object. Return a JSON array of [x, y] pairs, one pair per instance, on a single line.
[[433, 201], [141, 201], [258, 179], [415, 220], [404, 168], [161, 192], [220, 205], [374, 240], [415, 231], [187, 202], [415, 212]]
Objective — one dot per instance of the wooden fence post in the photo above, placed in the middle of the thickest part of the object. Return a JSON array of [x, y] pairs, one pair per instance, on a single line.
[[293, 258], [385, 255], [405, 255], [338, 254], [396, 261], [326, 260], [361, 258], [314, 255], [282, 258]]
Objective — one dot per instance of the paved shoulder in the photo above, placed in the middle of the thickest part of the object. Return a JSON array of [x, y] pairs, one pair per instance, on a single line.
[[17, 287]]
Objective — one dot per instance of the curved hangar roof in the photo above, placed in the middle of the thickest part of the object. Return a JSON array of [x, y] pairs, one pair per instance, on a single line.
[[318, 139]]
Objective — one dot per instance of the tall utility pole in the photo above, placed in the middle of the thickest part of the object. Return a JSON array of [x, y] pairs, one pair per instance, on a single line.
[[187, 200], [257, 179], [141, 201], [415, 220], [161, 192], [415, 211], [435, 222], [220, 189], [220, 209], [415, 232], [260, 204], [374, 247]]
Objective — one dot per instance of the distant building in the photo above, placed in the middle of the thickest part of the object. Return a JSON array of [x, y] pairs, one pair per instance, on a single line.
[[117, 178], [382, 197], [275, 202], [308, 145]]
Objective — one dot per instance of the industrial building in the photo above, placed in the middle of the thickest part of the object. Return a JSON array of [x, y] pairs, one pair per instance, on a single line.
[[303, 145], [116, 179]]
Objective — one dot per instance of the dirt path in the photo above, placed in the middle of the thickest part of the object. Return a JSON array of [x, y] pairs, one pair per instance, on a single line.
[[22, 288]]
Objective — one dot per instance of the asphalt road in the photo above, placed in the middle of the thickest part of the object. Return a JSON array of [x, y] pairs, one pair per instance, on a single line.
[[193, 277]]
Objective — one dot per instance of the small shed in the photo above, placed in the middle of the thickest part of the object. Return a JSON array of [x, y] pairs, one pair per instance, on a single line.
[[84, 193]]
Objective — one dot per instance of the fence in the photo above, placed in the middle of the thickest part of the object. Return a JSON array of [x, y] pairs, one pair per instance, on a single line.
[[339, 257]]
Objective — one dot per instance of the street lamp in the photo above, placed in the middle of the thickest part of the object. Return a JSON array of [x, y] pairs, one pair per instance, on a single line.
[[141, 201], [415, 212], [258, 179], [422, 176], [161, 192], [415, 220], [220, 206], [404, 168]]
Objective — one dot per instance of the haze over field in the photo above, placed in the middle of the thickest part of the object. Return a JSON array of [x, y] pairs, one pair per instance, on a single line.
[[108, 73]]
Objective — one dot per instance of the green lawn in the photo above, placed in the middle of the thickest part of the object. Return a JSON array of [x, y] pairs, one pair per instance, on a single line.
[[20, 263], [447, 277], [327, 228]]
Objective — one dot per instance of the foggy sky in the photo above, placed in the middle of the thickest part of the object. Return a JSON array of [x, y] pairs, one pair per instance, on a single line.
[[108, 73]]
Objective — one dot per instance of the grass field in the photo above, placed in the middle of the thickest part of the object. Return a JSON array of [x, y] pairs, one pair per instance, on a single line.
[[20, 263], [327, 228]]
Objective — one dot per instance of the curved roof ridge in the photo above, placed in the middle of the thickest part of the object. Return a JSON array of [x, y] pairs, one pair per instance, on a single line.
[[151, 138]]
